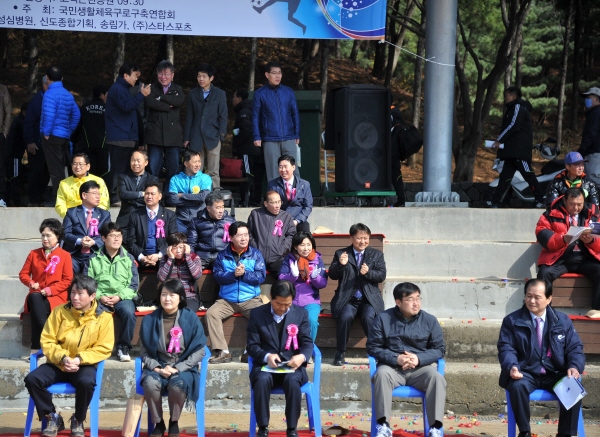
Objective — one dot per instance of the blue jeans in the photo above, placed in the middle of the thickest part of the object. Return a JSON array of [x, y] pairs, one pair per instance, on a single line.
[[125, 311], [171, 162], [314, 310]]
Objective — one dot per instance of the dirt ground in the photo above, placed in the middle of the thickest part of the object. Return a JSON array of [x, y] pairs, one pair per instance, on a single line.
[[225, 421]]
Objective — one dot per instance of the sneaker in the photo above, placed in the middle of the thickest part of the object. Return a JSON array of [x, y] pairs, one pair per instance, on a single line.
[[2, 204], [220, 357], [540, 205], [434, 432], [123, 355], [490, 204], [76, 427], [385, 431], [55, 425]]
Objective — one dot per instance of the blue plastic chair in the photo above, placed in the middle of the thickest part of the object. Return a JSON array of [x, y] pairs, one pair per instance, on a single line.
[[538, 395], [403, 391], [312, 391], [199, 403], [65, 388]]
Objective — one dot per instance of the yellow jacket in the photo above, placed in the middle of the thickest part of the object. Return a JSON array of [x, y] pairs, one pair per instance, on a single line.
[[89, 335], [68, 193]]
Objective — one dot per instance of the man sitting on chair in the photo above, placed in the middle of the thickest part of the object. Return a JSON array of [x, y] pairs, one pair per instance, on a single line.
[[536, 348], [76, 337], [279, 332], [405, 341]]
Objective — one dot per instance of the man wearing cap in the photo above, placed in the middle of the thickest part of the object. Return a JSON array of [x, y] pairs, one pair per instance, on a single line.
[[573, 176], [590, 137]]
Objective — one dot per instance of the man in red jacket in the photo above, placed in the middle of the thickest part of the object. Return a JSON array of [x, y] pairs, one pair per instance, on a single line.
[[562, 253]]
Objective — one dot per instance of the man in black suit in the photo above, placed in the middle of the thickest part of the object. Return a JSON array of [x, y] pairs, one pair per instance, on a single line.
[[131, 187], [82, 224], [359, 269], [270, 342], [149, 228]]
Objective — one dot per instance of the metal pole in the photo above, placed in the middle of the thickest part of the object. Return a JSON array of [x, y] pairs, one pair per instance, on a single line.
[[440, 48]]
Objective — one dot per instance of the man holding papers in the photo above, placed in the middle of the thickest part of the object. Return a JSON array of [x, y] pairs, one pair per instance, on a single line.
[[537, 347], [561, 252], [278, 332]]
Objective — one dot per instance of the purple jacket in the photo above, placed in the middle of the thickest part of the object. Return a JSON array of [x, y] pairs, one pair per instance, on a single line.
[[307, 292]]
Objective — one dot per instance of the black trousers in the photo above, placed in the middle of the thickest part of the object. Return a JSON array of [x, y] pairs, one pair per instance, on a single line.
[[274, 267], [39, 307], [99, 162], [58, 156], [519, 390], [511, 166], [84, 381], [119, 163], [38, 176], [2, 166], [343, 322], [396, 174], [256, 172], [263, 382]]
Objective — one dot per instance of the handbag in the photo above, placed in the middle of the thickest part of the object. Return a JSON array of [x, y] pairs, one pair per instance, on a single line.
[[132, 415], [231, 168]]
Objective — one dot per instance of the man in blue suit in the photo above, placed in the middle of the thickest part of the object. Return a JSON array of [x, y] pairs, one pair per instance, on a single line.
[[82, 224], [279, 332]]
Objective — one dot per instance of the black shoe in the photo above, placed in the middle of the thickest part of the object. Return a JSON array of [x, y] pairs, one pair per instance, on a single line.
[[244, 357], [76, 428], [339, 359], [159, 429], [525, 434], [173, 428], [263, 432], [220, 357], [291, 433], [54, 425], [563, 435]]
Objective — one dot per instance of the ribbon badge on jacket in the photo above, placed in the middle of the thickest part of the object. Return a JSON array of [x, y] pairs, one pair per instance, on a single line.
[[94, 227], [226, 238], [195, 189], [176, 334], [292, 331], [160, 228], [277, 228], [53, 263]]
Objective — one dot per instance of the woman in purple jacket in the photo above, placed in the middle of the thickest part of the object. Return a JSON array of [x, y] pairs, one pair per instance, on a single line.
[[304, 268]]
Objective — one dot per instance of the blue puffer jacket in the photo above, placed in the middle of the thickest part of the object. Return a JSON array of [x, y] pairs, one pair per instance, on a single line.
[[60, 113], [121, 112], [205, 235], [245, 287], [275, 114]]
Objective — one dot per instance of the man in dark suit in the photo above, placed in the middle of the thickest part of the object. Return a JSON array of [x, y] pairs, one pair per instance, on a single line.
[[270, 342], [537, 347], [131, 188], [149, 228], [82, 224], [359, 269]]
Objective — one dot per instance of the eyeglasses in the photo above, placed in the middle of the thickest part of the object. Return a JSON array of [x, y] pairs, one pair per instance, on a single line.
[[165, 74], [275, 202], [115, 236], [275, 73], [93, 193], [78, 164], [412, 299]]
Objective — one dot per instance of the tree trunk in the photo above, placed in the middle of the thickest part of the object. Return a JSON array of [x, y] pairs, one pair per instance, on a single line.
[[336, 48], [323, 72], [397, 39], [508, 76], [355, 48], [32, 61], [563, 75], [519, 63], [380, 62], [309, 56], [252, 69], [418, 88], [169, 49], [119, 54], [578, 28]]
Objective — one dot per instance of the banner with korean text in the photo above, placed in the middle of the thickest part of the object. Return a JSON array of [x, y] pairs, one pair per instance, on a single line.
[[318, 19]]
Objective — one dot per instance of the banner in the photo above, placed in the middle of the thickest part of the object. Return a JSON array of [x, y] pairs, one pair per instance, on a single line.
[[318, 19]]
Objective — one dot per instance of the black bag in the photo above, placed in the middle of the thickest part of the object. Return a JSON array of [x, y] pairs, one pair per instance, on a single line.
[[405, 136]]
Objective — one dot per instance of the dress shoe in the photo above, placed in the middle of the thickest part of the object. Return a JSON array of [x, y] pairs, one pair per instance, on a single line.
[[291, 433], [263, 432], [220, 357], [339, 359], [525, 434]]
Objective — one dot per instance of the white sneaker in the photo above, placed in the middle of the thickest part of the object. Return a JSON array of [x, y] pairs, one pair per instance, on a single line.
[[2, 203], [385, 431], [434, 432], [124, 356]]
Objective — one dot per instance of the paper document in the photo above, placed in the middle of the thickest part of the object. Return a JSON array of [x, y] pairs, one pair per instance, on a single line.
[[569, 391], [490, 143], [577, 231], [282, 369]]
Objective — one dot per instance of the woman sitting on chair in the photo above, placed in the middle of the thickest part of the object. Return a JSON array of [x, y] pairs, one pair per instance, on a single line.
[[172, 346]]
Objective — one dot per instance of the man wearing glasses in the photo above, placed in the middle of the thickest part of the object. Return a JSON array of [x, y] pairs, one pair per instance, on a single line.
[[68, 190]]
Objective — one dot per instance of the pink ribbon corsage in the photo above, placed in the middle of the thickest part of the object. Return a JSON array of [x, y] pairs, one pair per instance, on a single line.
[[277, 228], [54, 260], [160, 228], [176, 334], [292, 331], [94, 227], [226, 238]]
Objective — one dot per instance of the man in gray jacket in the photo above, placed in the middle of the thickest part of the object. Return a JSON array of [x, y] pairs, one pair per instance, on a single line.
[[405, 341]]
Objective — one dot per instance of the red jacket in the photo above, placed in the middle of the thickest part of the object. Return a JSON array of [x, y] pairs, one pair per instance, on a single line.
[[59, 281], [554, 224]]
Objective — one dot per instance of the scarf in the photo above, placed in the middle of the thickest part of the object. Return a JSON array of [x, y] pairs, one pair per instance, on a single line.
[[303, 263]]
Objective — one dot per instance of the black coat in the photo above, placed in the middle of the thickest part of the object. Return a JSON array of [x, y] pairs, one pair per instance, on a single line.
[[91, 132], [205, 236], [348, 274], [163, 123], [205, 121], [517, 131], [130, 195], [590, 136], [243, 144], [137, 230]]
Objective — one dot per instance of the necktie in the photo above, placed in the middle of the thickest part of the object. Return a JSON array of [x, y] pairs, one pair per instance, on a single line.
[[288, 191], [151, 214], [88, 219], [358, 293], [137, 181], [540, 332], [574, 223]]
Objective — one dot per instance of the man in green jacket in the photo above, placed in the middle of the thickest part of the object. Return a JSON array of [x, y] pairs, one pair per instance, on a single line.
[[116, 272]]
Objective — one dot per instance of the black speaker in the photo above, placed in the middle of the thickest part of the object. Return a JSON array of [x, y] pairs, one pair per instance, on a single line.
[[358, 128]]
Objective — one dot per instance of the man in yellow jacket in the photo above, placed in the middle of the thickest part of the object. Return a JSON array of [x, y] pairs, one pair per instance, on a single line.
[[68, 190], [76, 337]]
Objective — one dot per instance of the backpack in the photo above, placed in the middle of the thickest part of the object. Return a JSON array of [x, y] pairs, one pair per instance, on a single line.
[[405, 136]]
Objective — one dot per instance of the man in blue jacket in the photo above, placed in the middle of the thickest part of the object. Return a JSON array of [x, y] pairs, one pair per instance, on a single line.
[[239, 270], [537, 347], [59, 119], [275, 119]]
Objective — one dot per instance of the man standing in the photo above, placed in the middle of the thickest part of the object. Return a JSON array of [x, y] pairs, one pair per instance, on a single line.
[[572, 177], [562, 255], [208, 233], [116, 272], [276, 120], [590, 136], [294, 192], [122, 122], [271, 231], [5, 119], [206, 121], [163, 132], [515, 144], [406, 341], [270, 333], [359, 270], [239, 270], [76, 337], [60, 117], [537, 347]]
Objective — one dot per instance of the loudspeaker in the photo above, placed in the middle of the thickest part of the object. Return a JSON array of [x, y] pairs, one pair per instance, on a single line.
[[358, 128]]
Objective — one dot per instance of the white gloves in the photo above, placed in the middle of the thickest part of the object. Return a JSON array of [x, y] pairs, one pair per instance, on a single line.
[[294, 268], [315, 273]]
